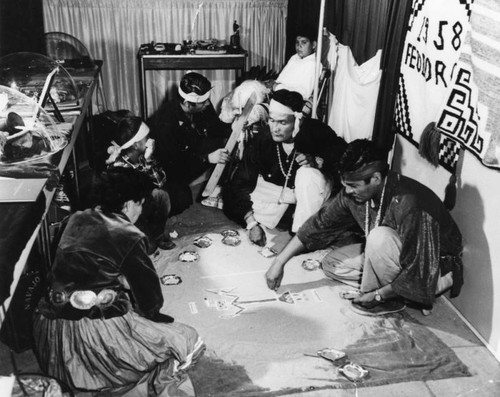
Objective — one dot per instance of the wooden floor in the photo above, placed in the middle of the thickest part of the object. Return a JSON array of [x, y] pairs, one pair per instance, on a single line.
[[444, 322]]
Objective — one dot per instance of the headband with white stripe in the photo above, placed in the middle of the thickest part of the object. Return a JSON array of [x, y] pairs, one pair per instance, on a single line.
[[278, 107], [141, 133], [193, 96], [115, 149]]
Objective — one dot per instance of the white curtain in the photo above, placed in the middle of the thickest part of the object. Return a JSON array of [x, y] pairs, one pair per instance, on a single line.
[[113, 30], [354, 102]]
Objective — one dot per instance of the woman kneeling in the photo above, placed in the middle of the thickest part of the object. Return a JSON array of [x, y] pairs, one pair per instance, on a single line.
[[99, 327]]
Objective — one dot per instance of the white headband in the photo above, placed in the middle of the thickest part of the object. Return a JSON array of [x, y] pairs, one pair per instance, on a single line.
[[278, 107], [114, 150], [193, 96]]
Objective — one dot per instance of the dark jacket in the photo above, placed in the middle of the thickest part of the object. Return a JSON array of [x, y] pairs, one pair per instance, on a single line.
[[182, 145], [431, 240], [95, 252], [261, 158]]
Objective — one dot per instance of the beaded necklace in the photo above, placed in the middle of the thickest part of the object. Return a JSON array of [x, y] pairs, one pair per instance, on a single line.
[[379, 212], [287, 174]]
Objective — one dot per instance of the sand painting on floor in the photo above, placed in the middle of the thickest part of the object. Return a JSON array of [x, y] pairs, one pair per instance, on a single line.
[[272, 337]]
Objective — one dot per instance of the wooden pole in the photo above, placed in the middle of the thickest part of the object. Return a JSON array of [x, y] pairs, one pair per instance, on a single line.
[[319, 48]]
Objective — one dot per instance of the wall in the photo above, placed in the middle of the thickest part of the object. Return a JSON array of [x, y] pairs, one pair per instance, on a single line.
[[25, 36], [477, 213], [113, 30]]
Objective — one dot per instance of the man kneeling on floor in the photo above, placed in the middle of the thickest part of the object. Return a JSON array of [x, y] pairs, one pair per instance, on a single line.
[[411, 248], [292, 163], [132, 148]]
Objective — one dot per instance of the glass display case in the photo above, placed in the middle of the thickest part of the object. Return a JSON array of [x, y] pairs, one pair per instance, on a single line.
[[68, 51], [27, 132], [27, 72]]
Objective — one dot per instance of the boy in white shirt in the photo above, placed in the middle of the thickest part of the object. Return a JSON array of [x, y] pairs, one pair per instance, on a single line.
[[298, 73]]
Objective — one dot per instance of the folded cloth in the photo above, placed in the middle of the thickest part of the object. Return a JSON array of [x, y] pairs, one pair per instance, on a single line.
[[267, 210]]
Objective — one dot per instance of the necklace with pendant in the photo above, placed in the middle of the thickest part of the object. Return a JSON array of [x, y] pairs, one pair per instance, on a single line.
[[287, 175], [379, 211]]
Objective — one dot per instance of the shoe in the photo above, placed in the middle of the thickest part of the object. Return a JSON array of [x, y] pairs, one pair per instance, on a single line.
[[166, 244], [378, 308]]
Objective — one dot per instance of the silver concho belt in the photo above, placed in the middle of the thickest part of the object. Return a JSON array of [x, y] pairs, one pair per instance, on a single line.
[[83, 300]]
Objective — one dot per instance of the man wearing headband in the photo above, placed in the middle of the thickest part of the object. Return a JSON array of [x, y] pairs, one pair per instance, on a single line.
[[287, 170], [391, 237], [132, 148], [189, 138]]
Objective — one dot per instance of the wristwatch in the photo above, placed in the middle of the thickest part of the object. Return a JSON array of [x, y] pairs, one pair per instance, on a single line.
[[378, 297]]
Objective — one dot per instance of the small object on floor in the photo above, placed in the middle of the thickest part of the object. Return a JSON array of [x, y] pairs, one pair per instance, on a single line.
[[378, 308], [213, 201], [311, 264], [229, 232], [170, 279], [268, 252], [193, 308], [173, 234], [286, 297], [221, 304], [203, 242], [426, 312], [189, 256], [331, 354], [353, 372], [232, 241], [350, 294]]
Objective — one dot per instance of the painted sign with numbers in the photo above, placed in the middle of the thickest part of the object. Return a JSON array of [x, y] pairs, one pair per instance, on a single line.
[[442, 72]]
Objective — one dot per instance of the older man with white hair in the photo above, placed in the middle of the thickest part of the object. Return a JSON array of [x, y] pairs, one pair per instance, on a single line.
[[291, 163]]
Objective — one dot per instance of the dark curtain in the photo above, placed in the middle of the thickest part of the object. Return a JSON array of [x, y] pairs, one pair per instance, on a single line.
[[365, 26], [383, 128], [301, 13], [21, 26], [359, 24]]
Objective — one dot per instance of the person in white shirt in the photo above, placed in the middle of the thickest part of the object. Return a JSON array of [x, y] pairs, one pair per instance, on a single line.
[[298, 73]]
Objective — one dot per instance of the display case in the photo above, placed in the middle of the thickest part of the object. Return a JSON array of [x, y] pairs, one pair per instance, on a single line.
[[68, 51], [26, 72], [28, 132]]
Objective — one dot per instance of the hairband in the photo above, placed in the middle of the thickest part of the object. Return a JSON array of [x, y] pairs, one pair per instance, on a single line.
[[193, 96], [365, 171], [278, 107], [114, 150]]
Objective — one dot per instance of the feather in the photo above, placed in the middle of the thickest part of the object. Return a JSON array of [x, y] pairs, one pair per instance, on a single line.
[[429, 144]]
